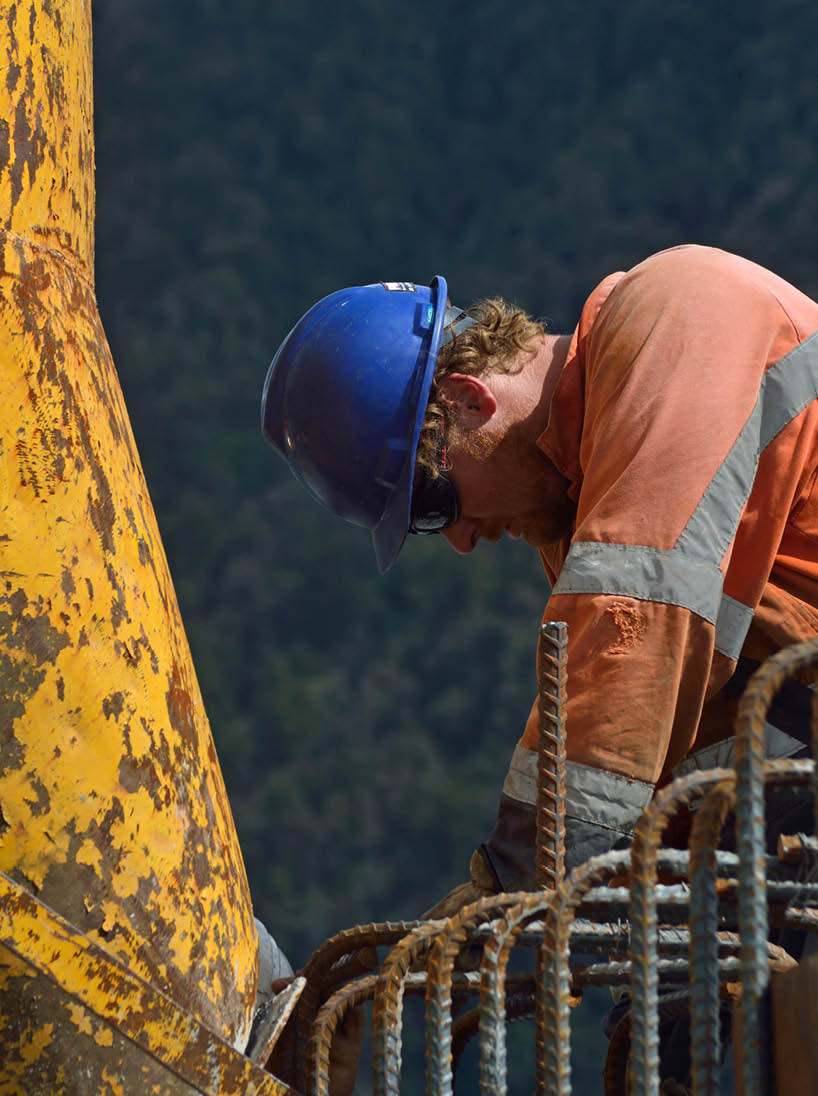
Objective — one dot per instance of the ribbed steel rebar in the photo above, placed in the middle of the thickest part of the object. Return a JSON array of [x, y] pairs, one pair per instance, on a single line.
[[705, 1048], [333, 1011], [330, 1015], [496, 952], [552, 677], [753, 919], [554, 1048], [387, 1014], [519, 1005], [644, 1056], [444, 951], [726, 968], [317, 973]]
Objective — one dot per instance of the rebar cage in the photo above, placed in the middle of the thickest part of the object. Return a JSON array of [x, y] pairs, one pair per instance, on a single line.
[[682, 931]]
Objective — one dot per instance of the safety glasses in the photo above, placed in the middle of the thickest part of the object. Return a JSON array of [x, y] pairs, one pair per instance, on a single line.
[[435, 504]]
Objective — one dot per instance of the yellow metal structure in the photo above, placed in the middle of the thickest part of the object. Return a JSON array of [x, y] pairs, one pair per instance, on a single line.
[[147, 1042], [112, 805]]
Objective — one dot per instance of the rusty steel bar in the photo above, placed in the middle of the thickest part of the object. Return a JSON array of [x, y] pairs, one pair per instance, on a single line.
[[644, 1056], [348, 997], [323, 964], [614, 933], [705, 1049], [645, 894], [387, 1019], [444, 951], [124, 1002], [496, 953], [519, 1005], [613, 903], [552, 673], [726, 968], [330, 1016], [750, 845], [554, 1048]]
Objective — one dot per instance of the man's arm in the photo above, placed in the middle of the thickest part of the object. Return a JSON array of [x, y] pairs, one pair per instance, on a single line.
[[672, 425]]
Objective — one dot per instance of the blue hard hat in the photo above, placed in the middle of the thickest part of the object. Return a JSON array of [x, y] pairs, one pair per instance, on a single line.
[[345, 397]]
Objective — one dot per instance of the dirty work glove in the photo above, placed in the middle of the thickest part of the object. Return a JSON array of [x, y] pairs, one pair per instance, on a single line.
[[483, 882]]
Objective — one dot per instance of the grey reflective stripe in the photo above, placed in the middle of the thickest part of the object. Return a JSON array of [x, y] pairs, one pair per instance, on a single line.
[[689, 573], [521, 778], [650, 574], [712, 525], [732, 624], [606, 799], [790, 385], [722, 755], [591, 794]]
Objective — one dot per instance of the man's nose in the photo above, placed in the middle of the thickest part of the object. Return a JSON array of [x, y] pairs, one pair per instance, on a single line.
[[463, 535]]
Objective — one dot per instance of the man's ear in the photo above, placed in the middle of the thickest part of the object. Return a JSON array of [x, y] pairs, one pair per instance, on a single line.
[[473, 400]]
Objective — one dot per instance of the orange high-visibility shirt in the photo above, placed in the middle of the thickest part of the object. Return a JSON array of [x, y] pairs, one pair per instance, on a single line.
[[686, 422]]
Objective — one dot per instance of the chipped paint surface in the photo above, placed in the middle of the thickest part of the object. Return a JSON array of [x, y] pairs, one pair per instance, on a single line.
[[111, 1018], [112, 805]]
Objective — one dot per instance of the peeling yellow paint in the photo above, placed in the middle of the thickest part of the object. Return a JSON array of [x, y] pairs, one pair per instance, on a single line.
[[36, 1044], [80, 1019], [89, 854], [104, 1037], [112, 804], [114, 1083]]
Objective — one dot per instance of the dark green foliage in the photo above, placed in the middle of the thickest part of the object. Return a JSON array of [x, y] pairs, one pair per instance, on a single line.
[[254, 156]]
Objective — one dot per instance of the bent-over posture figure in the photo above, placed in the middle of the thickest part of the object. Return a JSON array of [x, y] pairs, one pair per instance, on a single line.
[[663, 461]]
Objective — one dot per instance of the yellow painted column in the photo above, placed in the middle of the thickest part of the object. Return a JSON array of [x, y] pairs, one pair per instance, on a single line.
[[112, 805]]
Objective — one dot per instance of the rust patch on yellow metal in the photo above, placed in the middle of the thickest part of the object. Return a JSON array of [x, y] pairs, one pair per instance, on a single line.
[[112, 805], [105, 1002]]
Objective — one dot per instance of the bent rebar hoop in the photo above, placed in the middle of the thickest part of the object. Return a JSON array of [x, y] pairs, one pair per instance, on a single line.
[[705, 1046], [753, 917], [644, 1055], [443, 953]]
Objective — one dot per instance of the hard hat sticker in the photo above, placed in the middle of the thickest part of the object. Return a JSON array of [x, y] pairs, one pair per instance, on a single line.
[[400, 287]]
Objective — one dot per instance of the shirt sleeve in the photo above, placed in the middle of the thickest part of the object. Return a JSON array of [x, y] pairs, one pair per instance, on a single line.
[[671, 370], [670, 439]]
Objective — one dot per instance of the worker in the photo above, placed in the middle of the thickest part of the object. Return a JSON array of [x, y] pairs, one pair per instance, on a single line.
[[663, 461]]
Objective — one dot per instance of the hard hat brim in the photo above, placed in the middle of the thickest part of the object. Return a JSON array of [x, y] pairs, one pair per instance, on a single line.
[[390, 533]]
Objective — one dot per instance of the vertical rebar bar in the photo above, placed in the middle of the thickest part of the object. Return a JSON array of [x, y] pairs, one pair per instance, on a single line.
[[496, 952], [750, 845], [444, 951], [644, 1057], [552, 678], [705, 1042], [554, 974], [552, 657], [387, 1014]]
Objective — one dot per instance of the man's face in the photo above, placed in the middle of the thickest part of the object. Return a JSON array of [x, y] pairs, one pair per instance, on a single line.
[[506, 484]]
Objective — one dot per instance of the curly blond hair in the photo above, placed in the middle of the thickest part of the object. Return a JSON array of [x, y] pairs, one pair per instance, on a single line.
[[493, 344]]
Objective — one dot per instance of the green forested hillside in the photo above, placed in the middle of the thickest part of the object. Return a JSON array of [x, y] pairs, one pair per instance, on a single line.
[[254, 156]]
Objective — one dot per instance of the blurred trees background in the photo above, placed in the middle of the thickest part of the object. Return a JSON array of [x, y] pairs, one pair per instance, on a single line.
[[254, 156]]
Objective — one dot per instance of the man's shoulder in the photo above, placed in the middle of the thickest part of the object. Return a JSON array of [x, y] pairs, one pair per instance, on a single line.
[[699, 262], [700, 282]]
